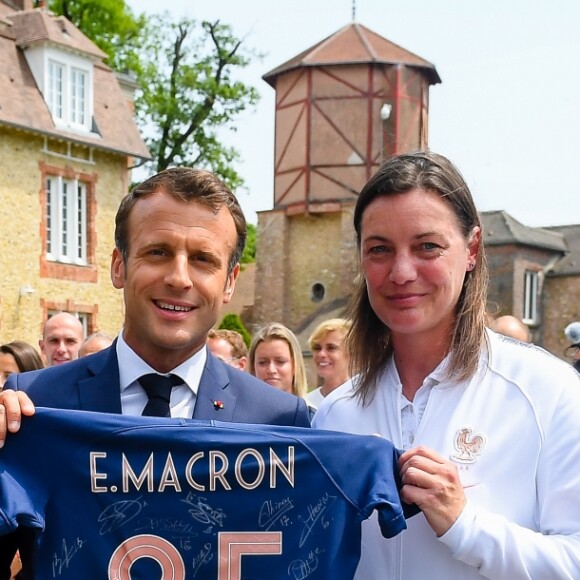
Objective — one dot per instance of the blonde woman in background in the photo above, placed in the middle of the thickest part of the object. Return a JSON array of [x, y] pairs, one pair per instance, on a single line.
[[276, 358], [330, 356]]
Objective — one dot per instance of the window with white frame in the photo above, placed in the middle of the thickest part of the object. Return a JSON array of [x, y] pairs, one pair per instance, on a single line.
[[530, 297], [66, 220], [55, 89], [68, 94], [78, 96]]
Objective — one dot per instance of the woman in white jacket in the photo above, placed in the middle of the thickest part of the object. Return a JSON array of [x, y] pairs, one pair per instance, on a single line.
[[490, 426]]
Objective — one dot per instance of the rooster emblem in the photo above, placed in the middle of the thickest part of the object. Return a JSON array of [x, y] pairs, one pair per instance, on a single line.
[[468, 445]]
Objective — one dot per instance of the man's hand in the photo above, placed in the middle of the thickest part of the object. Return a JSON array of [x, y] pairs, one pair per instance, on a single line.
[[432, 483], [13, 405]]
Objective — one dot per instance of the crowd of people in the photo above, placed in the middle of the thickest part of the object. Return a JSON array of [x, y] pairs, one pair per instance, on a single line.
[[62, 341], [488, 426]]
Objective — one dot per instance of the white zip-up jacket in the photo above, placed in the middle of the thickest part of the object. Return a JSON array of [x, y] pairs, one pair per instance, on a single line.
[[513, 431]]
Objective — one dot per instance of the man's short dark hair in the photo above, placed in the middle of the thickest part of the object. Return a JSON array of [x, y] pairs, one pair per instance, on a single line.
[[184, 184]]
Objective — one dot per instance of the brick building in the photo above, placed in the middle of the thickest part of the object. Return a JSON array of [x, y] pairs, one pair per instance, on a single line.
[[534, 275], [67, 140], [560, 299]]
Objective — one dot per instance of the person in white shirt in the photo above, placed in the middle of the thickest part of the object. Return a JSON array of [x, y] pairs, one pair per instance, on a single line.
[[490, 427], [330, 355]]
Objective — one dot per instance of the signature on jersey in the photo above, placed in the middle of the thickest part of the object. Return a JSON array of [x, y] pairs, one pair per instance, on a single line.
[[61, 561], [316, 513]]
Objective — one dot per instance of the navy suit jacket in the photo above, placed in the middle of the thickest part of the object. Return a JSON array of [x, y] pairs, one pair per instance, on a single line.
[[92, 384]]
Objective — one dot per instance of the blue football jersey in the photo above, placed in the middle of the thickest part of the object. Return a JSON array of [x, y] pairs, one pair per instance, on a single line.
[[123, 497]]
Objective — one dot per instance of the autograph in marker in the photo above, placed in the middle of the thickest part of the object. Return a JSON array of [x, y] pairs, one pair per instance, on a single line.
[[118, 514], [61, 561], [316, 513], [271, 512]]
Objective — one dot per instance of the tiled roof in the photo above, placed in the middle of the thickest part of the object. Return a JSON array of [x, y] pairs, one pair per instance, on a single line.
[[22, 105], [5, 11], [354, 44], [34, 26], [500, 228], [113, 117], [570, 264]]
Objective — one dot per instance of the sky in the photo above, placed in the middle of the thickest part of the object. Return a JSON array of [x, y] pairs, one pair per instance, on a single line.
[[507, 112]]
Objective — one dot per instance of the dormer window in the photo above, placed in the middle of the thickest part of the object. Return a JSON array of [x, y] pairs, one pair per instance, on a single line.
[[67, 94]]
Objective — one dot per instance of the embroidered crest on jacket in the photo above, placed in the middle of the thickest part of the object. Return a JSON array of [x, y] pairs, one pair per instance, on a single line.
[[468, 445]]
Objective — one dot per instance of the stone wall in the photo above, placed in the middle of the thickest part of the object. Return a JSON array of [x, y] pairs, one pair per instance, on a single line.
[[22, 239]]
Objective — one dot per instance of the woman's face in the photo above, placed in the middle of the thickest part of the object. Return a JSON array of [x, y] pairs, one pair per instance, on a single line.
[[7, 367], [273, 364], [330, 357], [414, 260]]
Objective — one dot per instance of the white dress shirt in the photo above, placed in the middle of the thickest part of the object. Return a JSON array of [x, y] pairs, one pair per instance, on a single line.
[[133, 396], [412, 411]]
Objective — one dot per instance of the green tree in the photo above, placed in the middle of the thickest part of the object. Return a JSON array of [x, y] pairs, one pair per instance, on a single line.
[[234, 322], [249, 255], [110, 24], [187, 92], [185, 72]]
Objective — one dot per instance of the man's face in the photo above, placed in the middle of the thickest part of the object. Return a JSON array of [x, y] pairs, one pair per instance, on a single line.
[[175, 279], [222, 349], [63, 334], [94, 345]]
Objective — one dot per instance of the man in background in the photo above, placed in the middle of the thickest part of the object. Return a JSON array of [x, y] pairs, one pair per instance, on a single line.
[[509, 325], [229, 346], [94, 343], [572, 332], [61, 339]]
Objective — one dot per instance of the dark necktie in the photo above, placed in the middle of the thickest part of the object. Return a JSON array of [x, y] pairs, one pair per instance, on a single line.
[[158, 389]]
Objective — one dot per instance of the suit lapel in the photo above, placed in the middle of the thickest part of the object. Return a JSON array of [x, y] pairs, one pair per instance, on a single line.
[[101, 390], [214, 399]]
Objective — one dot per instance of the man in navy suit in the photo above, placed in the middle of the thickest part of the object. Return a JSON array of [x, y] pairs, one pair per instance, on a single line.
[[179, 237]]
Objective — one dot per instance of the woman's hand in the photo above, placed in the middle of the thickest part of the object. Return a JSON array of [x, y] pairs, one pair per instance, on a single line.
[[432, 483]]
